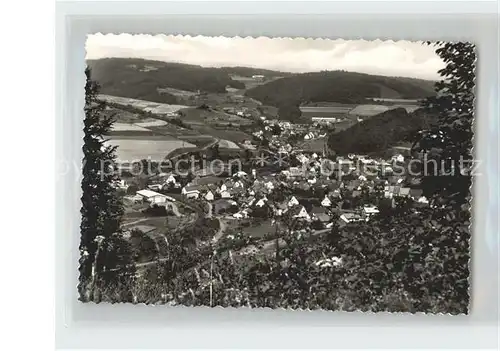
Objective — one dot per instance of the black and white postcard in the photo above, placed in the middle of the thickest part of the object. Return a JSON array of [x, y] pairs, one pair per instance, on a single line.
[[285, 173]]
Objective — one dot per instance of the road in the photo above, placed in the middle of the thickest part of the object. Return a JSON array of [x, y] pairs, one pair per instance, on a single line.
[[220, 232]]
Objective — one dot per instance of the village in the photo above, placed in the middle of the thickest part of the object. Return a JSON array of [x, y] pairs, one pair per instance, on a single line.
[[290, 180]]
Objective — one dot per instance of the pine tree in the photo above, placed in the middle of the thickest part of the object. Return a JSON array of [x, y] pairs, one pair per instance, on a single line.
[[101, 207]]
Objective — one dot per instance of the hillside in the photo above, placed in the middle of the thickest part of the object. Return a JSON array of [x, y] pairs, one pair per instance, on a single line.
[[250, 71], [380, 132], [338, 86], [141, 79]]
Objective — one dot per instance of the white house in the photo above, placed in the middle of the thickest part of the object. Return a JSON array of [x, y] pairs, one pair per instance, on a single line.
[[302, 213], [423, 200], [209, 196], [326, 202], [261, 202], [225, 194], [170, 180], [190, 192], [155, 187], [122, 184], [370, 210], [152, 196], [350, 217], [293, 202], [241, 214]]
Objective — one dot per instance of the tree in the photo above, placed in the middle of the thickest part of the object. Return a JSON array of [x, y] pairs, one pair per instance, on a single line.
[[289, 112], [276, 129], [449, 144], [101, 208]]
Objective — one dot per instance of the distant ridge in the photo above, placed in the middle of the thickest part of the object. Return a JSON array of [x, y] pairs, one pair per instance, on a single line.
[[141, 79], [339, 86]]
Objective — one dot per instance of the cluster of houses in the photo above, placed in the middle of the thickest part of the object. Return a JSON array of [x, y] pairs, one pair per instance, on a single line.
[[252, 195]]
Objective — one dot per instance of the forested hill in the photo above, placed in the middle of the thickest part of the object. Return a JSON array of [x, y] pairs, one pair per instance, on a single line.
[[339, 86], [381, 131], [140, 79]]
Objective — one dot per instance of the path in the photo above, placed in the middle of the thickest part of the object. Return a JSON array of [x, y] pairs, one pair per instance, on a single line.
[[135, 222], [220, 232]]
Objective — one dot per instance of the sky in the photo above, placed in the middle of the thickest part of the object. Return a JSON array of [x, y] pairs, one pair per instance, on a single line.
[[402, 58]]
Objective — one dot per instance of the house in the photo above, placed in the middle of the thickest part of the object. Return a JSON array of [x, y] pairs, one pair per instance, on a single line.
[[122, 184], [293, 202], [335, 193], [155, 187], [280, 208], [326, 202], [415, 194], [299, 212], [152, 196], [423, 200], [261, 202], [404, 192], [312, 180], [191, 191], [241, 214], [136, 199], [225, 194], [295, 172], [351, 217], [369, 211], [209, 196], [170, 180], [320, 214]]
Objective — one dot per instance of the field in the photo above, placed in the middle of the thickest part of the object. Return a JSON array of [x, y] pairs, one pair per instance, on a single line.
[[128, 127], [331, 109], [209, 116], [147, 106], [227, 144], [260, 229], [129, 150], [226, 134], [368, 110], [151, 122], [252, 82]]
